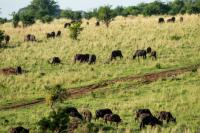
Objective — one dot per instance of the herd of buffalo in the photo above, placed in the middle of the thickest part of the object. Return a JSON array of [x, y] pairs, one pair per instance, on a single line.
[[143, 116]]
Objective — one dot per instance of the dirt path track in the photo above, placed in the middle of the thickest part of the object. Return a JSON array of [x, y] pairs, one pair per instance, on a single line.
[[79, 91]]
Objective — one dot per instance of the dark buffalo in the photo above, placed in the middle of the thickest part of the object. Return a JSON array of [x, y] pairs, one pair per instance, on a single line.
[[30, 37], [87, 115], [173, 19], [163, 115], [181, 19], [101, 112], [161, 20], [149, 50], [81, 58], [87, 23], [92, 59], [58, 34], [51, 35], [67, 25], [146, 119], [97, 23], [140, 53], [115, 54], [73, 112], [112, 118], [154, 55], [55, 60], [139, 112], [18, 70], [7, 38], [18, 130]]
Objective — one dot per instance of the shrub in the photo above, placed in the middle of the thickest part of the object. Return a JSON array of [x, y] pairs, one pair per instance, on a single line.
[[47, 19], [105, 15], [75, 30], [15, 20], [55, 94], [27, 20], [56, 122], [158, 66]]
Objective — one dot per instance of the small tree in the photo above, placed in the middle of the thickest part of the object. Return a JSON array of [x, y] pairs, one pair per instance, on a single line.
[[75, 30], [15, 19], [55, 94], [46, 19], [27, 20], [56, 122], [105, 14], [1, 36]]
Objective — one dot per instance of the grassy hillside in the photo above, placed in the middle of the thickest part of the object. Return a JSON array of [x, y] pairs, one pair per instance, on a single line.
[[177, 45]]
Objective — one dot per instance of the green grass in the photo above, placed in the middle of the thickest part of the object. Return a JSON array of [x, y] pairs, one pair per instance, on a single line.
[[177, 46]]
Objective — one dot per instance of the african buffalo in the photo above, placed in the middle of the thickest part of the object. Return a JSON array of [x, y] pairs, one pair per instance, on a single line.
[[81, 58], [112, 118], [163, 115], [140, 53], [18, 130], [92, 59], [115, 54], [161, 20], [73, 112], [30, 37], [154, 55], [173, 19], [58, 34], [67, 25], [87, 115], [55, 60], [140, 112], [7, 38], [149, 50], [146, 119], [97, 23], [101, 112]]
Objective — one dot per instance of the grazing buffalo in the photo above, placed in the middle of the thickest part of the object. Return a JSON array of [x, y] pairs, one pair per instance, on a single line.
[[58, 34], [18, 70], [140, 53], [30, 37], [81, 58], [73, 112], [139, 112], [97, 23], [149, 50], [87, 23], [115, 54], [163, 115], [181, 19], [92, 59], [101, 112], [7, 38], [67, 25], [146, 119], [112, 118], [173, 19], [55, 60], [154, 55], [161, 20], [18, 130], [87, 115]]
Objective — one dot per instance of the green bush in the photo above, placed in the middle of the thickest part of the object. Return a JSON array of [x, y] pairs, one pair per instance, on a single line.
[[15, 20], [47, 19], [27, 19], [56, 122], [75, 30]]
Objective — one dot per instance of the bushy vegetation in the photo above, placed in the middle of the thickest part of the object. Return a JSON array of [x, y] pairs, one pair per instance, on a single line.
[[75, 30], [47, 10]]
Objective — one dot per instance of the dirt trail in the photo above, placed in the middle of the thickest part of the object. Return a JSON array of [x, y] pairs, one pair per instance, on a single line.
[[79, 91]]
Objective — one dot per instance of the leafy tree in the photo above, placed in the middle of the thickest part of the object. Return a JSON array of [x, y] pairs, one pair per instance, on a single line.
[[15, 20], [46, 19], [55, 94], [67, 14], [75, 30], [27, 19], [1, 36], [176, 7], [105, 14], [56, 122]]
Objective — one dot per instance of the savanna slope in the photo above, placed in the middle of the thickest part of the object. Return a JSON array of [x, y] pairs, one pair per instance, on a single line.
[[177, 45]]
